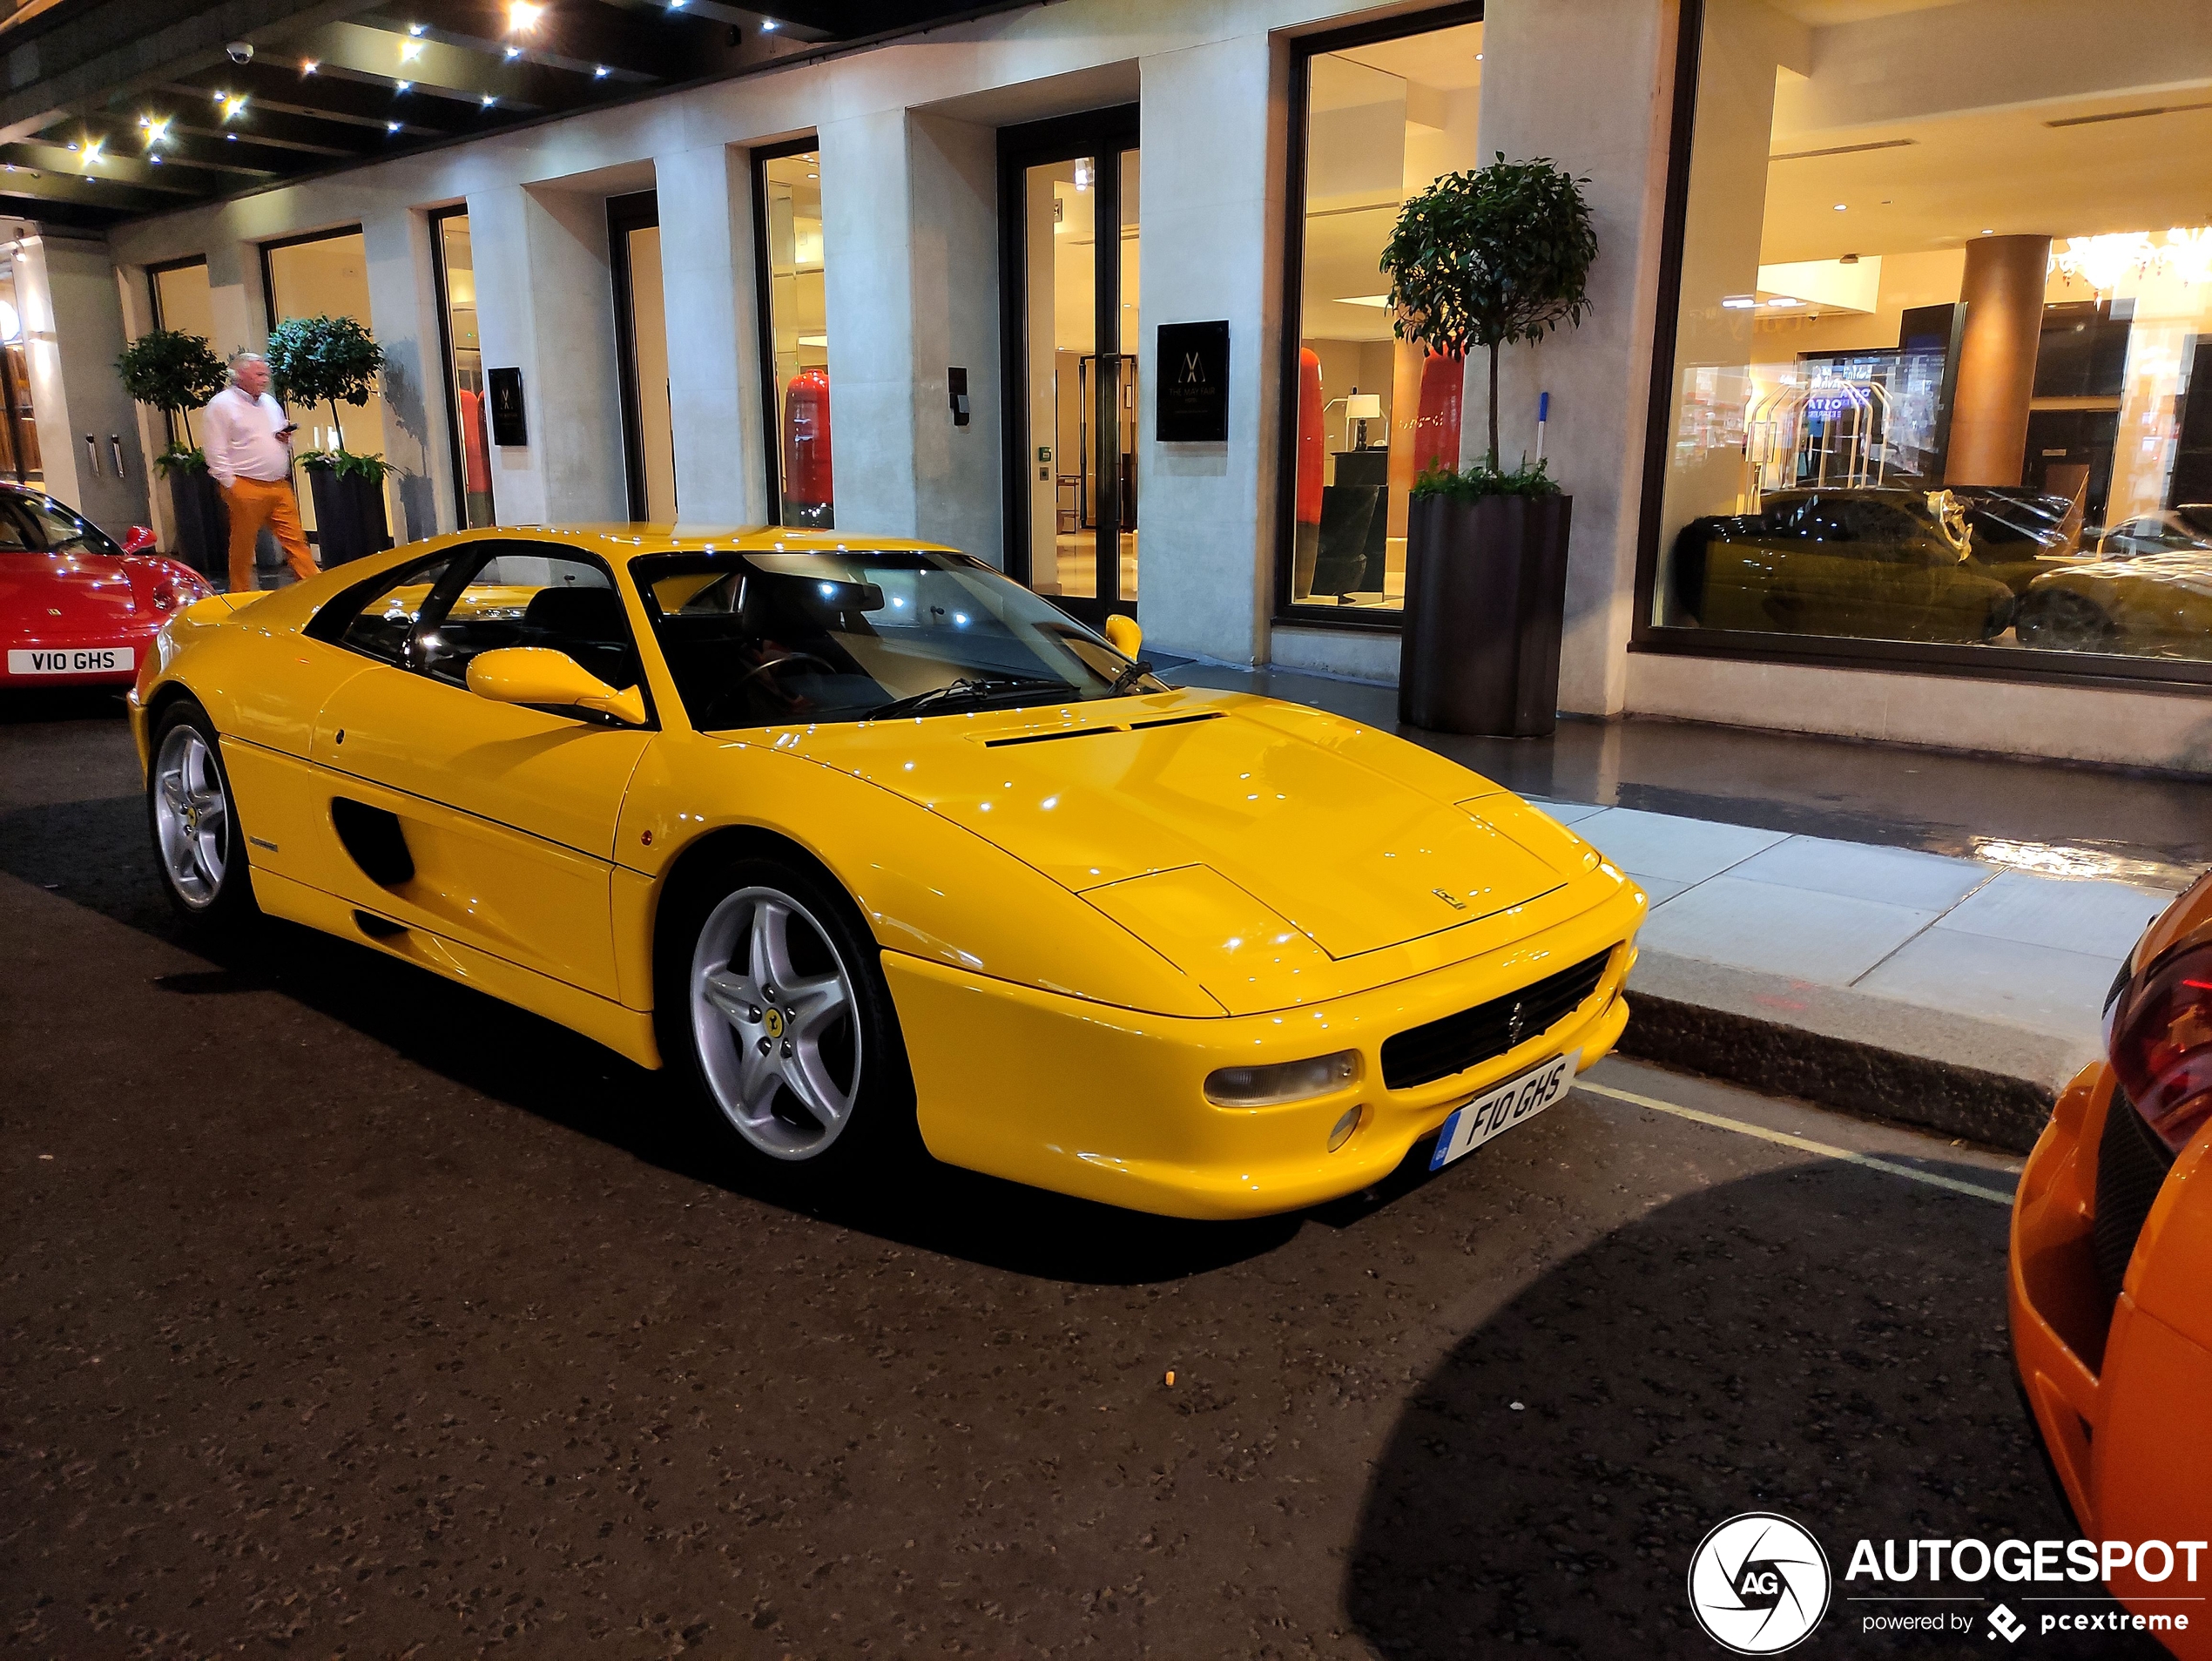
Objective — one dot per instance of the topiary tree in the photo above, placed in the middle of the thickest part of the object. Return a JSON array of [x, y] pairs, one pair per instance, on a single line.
[[1485, 259], [173, 372], [325, 360]]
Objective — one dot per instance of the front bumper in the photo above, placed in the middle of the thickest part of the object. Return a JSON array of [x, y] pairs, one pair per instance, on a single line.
[[1108, 1103]]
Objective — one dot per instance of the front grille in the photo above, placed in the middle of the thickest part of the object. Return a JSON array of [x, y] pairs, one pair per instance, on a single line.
[[2131, 1166], [1424, 1054]]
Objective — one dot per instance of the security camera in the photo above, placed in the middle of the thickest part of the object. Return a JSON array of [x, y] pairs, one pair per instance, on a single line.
[[242, 52]]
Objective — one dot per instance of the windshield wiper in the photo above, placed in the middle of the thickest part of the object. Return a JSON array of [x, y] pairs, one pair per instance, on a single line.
[[1127, 679], [967, 689]]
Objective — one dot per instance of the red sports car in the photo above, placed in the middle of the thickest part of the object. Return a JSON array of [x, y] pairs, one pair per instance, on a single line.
[[76, 608]]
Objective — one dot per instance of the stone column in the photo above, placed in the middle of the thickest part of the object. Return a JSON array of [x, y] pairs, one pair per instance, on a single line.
[[2003, 291], [711, 292], [72, 326]]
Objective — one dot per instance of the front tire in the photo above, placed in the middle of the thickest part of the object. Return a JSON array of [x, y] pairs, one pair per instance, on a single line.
[[193, 818], [771, 998]]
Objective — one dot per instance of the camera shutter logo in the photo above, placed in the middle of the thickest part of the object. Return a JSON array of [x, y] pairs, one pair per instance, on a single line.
[[1758, 1584]]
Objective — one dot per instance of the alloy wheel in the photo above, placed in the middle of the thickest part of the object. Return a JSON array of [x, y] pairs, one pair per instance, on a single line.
[[191, 816], [774, 1014]]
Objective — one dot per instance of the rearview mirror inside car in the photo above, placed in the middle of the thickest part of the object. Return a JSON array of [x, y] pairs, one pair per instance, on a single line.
[[541, 676]]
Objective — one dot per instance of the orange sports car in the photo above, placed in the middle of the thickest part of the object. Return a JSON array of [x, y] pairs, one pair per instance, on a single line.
[[2112, 1275]]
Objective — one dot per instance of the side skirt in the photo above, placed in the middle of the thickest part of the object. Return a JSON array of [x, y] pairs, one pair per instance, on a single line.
[[629, 1033]]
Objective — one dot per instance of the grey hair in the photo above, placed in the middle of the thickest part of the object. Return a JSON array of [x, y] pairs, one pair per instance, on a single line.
[[240, 360]]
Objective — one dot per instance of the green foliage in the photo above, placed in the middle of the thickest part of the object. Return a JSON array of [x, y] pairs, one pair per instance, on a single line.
[[171, 370], [325, 360], [1479, 479], [180, 458], [348, 465], [1489, 258]]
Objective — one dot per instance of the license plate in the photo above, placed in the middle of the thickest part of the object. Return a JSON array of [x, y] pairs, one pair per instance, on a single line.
[[1495, 1112], [73, 660]]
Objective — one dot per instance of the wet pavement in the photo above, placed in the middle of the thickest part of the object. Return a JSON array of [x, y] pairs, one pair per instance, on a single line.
[[345, 1312]]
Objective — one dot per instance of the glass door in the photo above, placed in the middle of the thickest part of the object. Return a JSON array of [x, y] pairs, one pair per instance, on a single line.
[[1069, 190], [641, 353]]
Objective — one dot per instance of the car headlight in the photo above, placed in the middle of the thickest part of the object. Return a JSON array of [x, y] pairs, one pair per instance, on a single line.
[[1286, 1081]]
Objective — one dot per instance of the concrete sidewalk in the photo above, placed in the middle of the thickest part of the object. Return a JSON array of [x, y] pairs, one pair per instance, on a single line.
[[1952, 993], [1908, 934]]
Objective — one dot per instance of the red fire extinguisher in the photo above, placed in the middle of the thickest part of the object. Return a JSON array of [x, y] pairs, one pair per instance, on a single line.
[[807, 494]]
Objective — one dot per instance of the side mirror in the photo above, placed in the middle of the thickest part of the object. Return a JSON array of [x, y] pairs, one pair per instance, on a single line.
[[139, 540], [540, 675], [1123, 635]]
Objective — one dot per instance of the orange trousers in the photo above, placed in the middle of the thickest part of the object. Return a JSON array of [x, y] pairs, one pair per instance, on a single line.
[[254, 502]]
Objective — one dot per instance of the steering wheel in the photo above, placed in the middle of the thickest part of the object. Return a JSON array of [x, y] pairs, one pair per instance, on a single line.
[[742, 681]]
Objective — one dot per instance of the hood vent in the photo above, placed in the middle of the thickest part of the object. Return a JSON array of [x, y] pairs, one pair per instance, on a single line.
[[1099, 732]]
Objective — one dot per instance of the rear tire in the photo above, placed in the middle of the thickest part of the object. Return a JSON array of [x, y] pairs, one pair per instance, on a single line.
[[198, 843], [771, 1000]]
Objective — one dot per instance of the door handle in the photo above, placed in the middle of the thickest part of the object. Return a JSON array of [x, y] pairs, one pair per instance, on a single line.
[[115, 448]]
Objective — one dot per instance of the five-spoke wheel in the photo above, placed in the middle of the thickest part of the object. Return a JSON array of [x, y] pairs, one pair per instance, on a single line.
[[772, 1013], [196, 836]]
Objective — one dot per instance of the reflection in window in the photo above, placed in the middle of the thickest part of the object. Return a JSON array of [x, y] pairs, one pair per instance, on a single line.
[[465, 373], [791, 208], [327, 277], [183, 301], [1931, 383], [18, 425], [1383, 121]]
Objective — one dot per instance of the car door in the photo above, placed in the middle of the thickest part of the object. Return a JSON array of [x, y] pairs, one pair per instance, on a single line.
[[488, 823]]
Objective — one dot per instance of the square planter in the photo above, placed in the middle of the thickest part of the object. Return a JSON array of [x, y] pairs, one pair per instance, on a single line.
[[1486, 601], [349, 515], [203, 524]]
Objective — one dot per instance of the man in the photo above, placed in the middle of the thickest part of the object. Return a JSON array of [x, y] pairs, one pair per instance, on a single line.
[[247, 440]]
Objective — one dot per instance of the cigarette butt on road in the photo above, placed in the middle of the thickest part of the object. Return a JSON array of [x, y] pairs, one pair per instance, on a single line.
[[1170, 1377]]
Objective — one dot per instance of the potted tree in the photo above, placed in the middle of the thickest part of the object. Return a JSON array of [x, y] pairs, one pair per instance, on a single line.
[[1484, 259], [174, 371], [334, 361]]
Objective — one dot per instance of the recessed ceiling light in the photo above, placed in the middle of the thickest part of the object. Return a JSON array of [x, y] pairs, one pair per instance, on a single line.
[[490, 99], [1989, 233], [409, 51], [402, 86], [523, 16], [769, 25], [391, 127], [600, 73], [308, 66], [1839, 208], [513, 52], [1738, 302], [417, 28]]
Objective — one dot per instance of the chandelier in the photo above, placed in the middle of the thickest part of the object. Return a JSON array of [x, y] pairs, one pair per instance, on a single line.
[[2101, 261]]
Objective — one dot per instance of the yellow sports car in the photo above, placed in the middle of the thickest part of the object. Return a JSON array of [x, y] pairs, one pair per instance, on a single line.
[[873, 844], [2148, 592]]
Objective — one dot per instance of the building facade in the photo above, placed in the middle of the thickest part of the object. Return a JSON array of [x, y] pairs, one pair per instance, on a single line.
[[1947, 259]]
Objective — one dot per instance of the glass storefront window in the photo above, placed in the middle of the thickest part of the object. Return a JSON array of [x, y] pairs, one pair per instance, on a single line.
[[1367, 412], [183, 301], [1943, 367], [19, 456], [325, 276], [789, 202], [465, 390]]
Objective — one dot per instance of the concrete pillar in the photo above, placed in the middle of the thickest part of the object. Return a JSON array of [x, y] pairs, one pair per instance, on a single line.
[[545, 306], [2002, 290], [72, 324], [402, 308], [1589, 84], [710, 293], [910, 275], [1210, 246]]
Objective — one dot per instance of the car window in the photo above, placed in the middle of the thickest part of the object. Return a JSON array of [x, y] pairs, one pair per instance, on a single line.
[[61, 530], [757, 639], [15, 529], [384, 628], [520, 596]]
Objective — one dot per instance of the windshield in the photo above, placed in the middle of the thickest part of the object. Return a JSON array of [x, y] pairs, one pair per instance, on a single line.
[[770, 639]]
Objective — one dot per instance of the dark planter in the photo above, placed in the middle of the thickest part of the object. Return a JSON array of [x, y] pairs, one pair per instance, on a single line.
[[1485, 598], [349, 515], [203, 524]]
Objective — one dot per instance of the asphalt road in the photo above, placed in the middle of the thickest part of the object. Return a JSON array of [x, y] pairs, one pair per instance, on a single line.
[[347, 1312]]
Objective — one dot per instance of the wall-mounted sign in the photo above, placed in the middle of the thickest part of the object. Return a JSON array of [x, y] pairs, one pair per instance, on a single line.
[[1193, 373], [508, 426]]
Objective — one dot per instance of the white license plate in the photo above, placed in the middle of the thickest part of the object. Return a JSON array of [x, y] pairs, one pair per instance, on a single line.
[[1494, 1112], [72, 660]]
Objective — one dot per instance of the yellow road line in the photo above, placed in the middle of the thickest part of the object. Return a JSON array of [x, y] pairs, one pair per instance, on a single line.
[[1804, 1144]]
